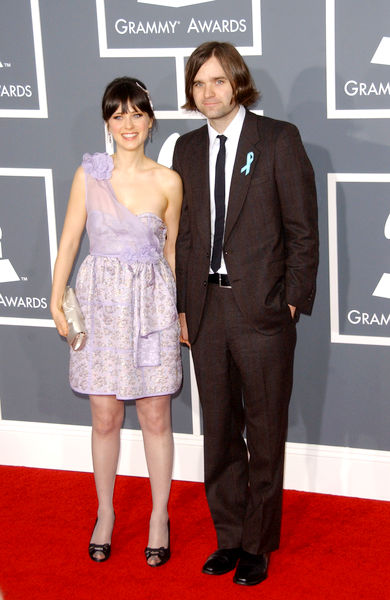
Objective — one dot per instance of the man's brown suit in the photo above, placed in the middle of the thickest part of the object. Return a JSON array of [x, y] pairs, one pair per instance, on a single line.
[[243, 338]]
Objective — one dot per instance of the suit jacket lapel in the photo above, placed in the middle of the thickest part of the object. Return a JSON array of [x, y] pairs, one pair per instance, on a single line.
[[201, 186], [249, 142]]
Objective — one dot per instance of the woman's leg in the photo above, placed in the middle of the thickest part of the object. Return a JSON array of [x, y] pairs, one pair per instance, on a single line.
[[154, 415], [107, 419]]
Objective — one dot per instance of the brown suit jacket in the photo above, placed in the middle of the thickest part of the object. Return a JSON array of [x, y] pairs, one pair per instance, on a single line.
[[271, 237]]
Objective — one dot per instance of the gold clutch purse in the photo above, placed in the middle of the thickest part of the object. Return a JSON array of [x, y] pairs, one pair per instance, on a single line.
[[77, 335]]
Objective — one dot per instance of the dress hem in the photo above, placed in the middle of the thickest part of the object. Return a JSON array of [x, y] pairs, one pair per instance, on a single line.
[[123, 398]]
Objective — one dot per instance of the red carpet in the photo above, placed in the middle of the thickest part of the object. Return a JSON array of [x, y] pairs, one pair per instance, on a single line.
[[332, 548]]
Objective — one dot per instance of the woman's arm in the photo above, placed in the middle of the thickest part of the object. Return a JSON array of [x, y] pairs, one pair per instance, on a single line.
[[174, 194], [74, 224]]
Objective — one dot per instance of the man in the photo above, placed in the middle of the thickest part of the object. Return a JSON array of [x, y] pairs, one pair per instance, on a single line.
[[246, 263]]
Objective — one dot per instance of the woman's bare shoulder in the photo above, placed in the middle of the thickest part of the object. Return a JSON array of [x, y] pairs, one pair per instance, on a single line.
[[167, 177]]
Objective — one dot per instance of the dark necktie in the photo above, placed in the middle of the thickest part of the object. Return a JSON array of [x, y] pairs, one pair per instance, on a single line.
[[219, 196]]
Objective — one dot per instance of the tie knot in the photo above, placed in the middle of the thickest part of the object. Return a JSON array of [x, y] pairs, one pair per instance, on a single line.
[[222, 139]]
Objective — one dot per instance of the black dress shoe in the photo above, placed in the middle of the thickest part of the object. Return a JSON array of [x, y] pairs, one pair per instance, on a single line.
[[222, 561], [251, 569]]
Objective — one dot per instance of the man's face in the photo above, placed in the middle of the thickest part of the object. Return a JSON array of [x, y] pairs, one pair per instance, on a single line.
[[213, 94]]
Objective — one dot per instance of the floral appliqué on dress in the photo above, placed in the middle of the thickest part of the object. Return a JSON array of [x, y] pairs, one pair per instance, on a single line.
[[99, 165]]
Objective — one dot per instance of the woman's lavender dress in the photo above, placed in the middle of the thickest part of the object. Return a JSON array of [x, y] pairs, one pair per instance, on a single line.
[[127, 292]]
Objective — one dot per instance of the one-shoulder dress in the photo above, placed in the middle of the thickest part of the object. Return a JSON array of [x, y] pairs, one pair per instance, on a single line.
[[127, 294]]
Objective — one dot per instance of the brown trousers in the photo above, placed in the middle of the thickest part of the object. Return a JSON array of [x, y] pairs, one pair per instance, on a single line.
[[244, 380]]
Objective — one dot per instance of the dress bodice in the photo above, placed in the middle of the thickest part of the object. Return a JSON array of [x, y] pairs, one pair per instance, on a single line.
[[113, 230]]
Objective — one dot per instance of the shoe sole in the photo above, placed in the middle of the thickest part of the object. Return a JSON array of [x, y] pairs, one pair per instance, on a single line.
[[247, 583], [218, 572]]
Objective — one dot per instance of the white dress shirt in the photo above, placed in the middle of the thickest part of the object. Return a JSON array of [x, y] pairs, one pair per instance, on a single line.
[[232, 133]]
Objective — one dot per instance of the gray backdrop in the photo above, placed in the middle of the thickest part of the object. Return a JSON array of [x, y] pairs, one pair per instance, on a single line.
[[328, 76]]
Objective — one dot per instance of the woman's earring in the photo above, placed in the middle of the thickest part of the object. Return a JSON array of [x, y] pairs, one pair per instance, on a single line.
[[150, 135], [109, 141]]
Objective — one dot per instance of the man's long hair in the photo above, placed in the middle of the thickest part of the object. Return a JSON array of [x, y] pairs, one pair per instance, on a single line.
[[233, 64]]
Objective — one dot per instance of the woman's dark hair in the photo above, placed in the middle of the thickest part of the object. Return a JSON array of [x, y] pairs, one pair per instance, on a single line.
[[233, 64], [125, 91]]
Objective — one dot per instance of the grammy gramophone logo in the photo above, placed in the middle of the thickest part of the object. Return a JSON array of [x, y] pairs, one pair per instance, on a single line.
[[7, 272], [382, 53], [382, 290]]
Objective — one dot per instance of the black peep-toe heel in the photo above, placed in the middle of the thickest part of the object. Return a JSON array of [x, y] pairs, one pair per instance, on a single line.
[[164, 554], [105, 549]]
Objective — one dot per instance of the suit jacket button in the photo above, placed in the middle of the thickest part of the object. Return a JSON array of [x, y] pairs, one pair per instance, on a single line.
[[205, 283]]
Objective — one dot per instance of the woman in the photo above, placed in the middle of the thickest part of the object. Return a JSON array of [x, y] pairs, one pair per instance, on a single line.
[[126, 290]]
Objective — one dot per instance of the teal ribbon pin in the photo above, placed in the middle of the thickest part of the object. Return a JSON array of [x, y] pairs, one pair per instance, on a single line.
[[249, 160]]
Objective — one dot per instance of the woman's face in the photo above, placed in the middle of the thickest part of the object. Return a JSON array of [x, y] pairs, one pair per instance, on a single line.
[[129, 129]]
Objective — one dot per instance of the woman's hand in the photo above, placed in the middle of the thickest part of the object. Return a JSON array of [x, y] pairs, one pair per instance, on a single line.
[[183, 330], [292, 310], [59, 320]]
